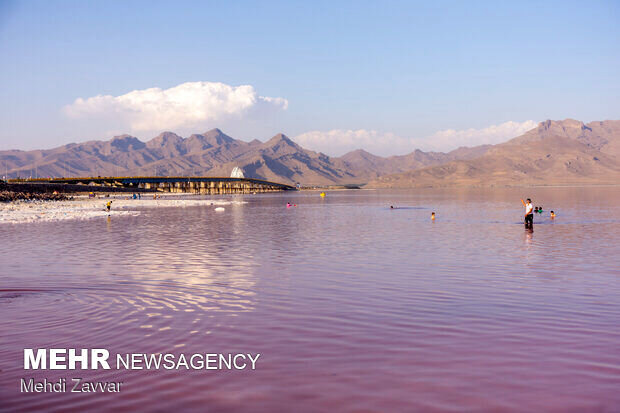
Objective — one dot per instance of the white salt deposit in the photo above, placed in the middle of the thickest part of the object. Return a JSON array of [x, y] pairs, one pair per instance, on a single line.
[[88, 208]]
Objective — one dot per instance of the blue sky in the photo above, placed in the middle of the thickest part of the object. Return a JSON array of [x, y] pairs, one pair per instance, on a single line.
[[386, 76]]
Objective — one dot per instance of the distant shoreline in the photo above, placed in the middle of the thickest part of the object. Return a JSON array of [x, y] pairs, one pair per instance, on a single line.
[[494, 186], [10, 192], [13, 192]]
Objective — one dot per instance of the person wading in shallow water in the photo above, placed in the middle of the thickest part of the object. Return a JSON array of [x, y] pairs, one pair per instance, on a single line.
[[108, 205], [529, 215]]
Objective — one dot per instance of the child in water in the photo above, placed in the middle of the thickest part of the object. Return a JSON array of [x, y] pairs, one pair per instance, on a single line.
[[433, 216], [108, 205], [552, 214]]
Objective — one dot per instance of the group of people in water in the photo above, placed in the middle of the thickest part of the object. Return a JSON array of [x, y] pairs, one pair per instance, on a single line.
[[530, 211]]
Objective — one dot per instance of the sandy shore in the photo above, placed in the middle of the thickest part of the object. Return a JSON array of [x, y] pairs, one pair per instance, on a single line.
[[83, 207]]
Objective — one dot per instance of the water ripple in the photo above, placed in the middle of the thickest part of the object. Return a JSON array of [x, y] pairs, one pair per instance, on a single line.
[[353, 306]]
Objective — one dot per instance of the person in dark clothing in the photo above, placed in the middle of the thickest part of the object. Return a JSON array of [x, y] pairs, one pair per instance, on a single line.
[[529, 214]]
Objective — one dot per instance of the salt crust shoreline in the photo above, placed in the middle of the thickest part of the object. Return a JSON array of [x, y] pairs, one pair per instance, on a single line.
[[81, 208]]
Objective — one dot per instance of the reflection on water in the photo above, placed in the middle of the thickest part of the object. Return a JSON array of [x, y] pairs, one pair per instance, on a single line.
[[352, 305], [529, 236]]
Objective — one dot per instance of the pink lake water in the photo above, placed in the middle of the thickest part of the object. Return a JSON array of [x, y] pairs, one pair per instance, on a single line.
[[352, 306]]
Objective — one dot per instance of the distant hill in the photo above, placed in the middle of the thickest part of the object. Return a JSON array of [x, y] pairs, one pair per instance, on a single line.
[[212, 153], [554, 153]]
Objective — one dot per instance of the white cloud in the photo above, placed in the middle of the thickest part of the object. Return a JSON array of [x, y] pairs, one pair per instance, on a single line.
[[188, 105], [451, 139], [337, 142]]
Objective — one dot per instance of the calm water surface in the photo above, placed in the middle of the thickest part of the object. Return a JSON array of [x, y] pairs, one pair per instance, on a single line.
[[353, 306]]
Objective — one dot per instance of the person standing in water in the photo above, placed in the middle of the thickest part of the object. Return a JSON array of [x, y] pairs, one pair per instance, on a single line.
[[529, 215], [108, 205]]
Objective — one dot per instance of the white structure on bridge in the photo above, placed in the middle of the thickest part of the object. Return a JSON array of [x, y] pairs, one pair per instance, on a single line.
[[237, 173]]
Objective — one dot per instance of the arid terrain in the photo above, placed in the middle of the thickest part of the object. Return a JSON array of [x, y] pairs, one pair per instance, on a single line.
[[554, 153]]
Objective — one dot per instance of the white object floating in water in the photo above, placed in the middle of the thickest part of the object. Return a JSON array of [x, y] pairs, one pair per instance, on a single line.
[[220, 209]]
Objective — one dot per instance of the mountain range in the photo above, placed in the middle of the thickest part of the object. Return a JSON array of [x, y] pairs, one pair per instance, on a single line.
[[555, 152], [565, 152]]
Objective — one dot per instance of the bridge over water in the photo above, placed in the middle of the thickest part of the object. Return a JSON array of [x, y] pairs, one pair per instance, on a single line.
[[192, 184]]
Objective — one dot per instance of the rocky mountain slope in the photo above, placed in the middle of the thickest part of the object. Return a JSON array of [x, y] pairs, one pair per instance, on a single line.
[[554, 153], [212, 153]]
